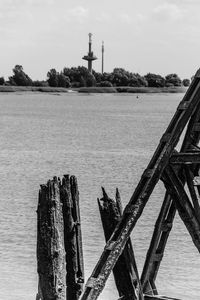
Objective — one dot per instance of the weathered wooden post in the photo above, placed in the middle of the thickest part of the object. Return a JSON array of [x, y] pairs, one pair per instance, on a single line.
[[72, 237], [59, 241], [50, 245], [125, 271]]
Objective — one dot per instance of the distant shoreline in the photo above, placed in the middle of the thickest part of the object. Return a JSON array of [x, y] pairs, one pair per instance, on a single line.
[[126, 89]]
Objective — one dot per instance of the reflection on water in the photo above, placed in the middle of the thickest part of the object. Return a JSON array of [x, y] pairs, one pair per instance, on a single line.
[[105, 140]]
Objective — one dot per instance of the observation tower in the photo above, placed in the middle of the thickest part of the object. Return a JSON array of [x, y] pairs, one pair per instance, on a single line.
[[102, 57], [90, 57]]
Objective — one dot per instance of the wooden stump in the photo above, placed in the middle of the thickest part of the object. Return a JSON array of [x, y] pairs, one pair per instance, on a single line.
[[125, 270], [50, 245], [59, 241]]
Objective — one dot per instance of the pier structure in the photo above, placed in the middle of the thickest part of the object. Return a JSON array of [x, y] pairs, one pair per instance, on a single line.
[[90, 56]]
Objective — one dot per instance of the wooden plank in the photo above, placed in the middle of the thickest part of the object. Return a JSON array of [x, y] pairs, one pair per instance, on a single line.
[[149, 262], [185, 158], [143, 191], [158, 297], [79, 246], [155, 297], [50, 245], [193, 190], [196, 126]]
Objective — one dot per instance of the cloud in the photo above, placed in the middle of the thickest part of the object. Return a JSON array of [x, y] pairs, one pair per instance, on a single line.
[[21, 3], [168, 12], [181, 2], [125, 18], [79, 13], [136, 19], [104, 17]]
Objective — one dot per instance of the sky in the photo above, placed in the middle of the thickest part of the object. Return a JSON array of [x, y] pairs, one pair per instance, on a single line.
[[157, 36]]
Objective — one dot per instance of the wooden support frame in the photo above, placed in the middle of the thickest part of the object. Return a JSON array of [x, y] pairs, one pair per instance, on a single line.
[[153, 173], [183, 205], [159, 238]]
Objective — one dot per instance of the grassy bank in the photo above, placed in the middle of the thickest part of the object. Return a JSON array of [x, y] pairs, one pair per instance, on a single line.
[[137, 90], [46, 89]]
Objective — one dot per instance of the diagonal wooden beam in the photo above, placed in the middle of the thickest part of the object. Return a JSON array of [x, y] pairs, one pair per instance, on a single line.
[[158, 297], [157, 246], [186, 211]]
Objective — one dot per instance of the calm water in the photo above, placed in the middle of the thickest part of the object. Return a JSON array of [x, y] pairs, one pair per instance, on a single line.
[[105, 140]]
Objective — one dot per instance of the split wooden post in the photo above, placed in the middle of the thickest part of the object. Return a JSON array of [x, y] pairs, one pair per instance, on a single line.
[[125, 271], [72, 237], [59, 241], [50, 246]]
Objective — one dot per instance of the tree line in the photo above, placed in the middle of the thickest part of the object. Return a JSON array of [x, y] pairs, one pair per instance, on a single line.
[[76, 77]]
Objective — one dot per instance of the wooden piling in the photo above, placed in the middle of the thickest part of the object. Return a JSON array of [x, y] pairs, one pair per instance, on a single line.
[[50, 245], [59, 241], [125, 271], [72, 237]]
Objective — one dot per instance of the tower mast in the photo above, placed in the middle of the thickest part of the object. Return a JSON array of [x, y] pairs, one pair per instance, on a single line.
[[90, 56], [102, 63]]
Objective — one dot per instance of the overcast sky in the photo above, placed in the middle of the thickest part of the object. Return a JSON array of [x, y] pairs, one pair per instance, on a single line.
[[158, 36]]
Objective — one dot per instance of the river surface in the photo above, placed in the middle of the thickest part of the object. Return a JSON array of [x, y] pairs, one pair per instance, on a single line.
[[105, 140]]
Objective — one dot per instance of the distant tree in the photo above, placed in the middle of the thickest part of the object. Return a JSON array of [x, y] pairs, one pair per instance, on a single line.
[[11, 81], [52, 76], [82, 81], [172, 79], [2, 81], [154, 80], [41, 83], [105, 84], [75, 84], [186, 82], [90, 80], [106, 77], [79, 76], [20, 77], [137, 80], [119, 77], [63, 80], [98, 76]]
